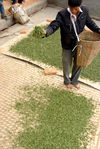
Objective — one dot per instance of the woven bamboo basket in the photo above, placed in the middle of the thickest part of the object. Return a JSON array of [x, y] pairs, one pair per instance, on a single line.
[[88, 49]]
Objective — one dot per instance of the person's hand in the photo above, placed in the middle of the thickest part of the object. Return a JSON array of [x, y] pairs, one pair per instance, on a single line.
[[39, 32]]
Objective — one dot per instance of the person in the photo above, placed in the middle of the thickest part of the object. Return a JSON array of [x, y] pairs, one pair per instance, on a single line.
[[19, 1], [13, 2], [3, 16], [77, 13]]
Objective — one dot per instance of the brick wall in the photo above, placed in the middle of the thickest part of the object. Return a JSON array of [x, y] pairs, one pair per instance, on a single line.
[[94, 6], [25, 4]]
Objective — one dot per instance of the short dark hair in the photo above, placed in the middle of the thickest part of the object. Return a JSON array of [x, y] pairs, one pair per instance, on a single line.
[[74, 3]]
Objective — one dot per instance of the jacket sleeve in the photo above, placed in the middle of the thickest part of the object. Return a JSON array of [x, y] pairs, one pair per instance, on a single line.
[[54, 25], [91, 24]]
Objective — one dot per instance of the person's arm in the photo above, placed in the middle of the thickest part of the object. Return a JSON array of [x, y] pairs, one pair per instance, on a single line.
[[54, 25], [91, 24]]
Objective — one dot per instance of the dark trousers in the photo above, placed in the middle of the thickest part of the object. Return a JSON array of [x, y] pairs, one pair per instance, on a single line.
[[67, 60], [2, 9], [20, 1], [14, 2]]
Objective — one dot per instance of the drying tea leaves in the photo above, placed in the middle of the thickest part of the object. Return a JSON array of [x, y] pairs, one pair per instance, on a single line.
[[38, 32]]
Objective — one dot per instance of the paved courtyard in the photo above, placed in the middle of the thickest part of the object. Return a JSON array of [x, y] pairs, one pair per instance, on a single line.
[[15, 74]]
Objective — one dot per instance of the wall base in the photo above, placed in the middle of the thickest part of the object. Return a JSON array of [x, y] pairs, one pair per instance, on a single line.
[[30, 9]]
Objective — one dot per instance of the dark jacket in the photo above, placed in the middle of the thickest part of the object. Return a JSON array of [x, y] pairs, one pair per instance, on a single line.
[[68, 37]]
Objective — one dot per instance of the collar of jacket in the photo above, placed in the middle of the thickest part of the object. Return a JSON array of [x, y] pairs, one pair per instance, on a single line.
[[68, 9], [69, 12]]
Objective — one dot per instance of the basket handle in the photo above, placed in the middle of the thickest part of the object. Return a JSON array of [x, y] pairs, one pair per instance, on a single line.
[[74, 26], [78, 44], [82, 50]]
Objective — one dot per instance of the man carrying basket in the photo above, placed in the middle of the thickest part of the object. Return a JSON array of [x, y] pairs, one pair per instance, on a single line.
[[71, 21]]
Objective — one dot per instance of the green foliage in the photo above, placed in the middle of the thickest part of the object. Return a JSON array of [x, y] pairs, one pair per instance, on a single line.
[[48, 50], [38, 32], [92, 72], [62, 119]]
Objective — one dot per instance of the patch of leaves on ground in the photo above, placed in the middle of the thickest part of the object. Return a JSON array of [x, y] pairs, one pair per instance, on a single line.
[[54, 119], [48, 50]]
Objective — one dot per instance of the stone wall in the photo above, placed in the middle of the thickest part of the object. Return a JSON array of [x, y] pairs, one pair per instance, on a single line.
[[93, 6], [37, 5], [61, 3], [31, 6]]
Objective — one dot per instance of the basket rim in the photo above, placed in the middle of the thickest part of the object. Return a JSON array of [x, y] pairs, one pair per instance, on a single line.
[[89, 40], [89, 33]]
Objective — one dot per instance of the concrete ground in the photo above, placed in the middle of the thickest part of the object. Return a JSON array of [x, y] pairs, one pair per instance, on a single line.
[[15, 74], [30, 7]]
